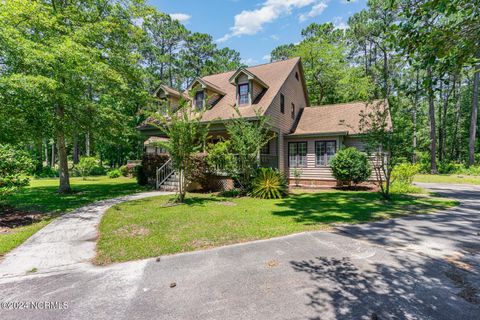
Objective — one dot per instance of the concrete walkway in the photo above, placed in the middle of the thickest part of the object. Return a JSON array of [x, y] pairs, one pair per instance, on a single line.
[[347, 274], [65, 243]]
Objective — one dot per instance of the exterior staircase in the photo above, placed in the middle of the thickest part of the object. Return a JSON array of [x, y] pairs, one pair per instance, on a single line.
[[167, 179], [171, 184]]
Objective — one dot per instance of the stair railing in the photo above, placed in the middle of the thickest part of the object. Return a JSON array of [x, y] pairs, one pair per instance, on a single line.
[[164, 172]]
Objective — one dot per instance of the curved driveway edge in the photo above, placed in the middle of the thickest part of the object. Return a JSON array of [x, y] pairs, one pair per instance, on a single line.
[[64, 243]]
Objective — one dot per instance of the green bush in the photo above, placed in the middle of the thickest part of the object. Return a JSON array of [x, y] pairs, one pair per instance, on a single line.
[[350, 165], [219, 156], [269, 184], [115, 173], [124, 170], [46, 172], [404, 173], [142, 178], [86, 166], [13, 163], [150, 165], [202, 173], [98, 170]]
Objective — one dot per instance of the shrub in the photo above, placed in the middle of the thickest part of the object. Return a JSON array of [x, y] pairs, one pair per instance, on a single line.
[[269, 184], [404, 173], [98, 170], [46, 172], [350, 165], [142, 178], [86, 166], [123, 169], [201, 172], [150, 164], [115, 173], [219, 156], [13, 163]]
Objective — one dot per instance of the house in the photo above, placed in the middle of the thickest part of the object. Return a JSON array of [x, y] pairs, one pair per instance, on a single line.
[[306, 137]]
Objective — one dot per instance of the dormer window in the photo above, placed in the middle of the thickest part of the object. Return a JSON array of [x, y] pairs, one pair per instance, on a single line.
[[199, 97], [243, 94]]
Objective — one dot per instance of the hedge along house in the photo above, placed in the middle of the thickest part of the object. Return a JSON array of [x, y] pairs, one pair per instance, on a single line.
[[306, 137]]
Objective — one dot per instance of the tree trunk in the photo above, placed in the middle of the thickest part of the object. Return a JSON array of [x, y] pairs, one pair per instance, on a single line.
[[414, 116], [39, 164], [440, 124], [53, 155], [62, 152], [474, 118], [87, 144], [431, 115], [454, 154], [76, 156], [47, 163]]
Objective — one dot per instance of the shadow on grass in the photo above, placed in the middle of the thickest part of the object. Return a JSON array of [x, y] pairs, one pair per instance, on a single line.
[[351, 207], [47, 199]]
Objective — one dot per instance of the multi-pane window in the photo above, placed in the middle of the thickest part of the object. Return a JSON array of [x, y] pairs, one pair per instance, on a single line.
[[243, 96], [297, 154], [293, 111], [199, 97], [282, 103], [324, 152]]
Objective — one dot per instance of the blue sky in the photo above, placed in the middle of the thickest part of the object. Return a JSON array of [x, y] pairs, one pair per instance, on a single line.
[[255, 27]]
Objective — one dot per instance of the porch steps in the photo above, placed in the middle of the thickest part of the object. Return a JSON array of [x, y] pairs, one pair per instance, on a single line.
[[172, 184]]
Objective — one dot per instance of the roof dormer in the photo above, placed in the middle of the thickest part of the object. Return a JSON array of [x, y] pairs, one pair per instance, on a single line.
[[248, 86], [204, 90]]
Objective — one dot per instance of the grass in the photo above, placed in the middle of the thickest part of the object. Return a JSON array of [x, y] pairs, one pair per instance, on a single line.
[[448, 178], [153, 227], [42, 196]]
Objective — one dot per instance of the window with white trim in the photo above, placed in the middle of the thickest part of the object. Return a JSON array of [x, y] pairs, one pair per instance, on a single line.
[[199, 97], [324, 152], [243, 94], [297, 154]]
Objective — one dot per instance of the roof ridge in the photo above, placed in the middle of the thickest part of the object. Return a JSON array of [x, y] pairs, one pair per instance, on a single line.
[[346, 103], [255, 66]]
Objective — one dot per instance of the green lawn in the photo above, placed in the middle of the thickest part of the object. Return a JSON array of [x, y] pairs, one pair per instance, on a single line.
[[153, 227], [42, 196], [447, 178]]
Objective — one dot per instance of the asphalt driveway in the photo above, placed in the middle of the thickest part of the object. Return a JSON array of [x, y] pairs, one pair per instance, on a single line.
[[411, 268]]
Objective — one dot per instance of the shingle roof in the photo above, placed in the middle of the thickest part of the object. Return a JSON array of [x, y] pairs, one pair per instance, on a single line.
[[273, 74], [169, 91], [335, 118]]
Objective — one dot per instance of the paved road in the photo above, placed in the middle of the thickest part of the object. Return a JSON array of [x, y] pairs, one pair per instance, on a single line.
[[317, 275]]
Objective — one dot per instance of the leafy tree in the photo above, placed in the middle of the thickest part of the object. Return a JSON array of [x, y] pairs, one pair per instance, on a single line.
[[247, 139], [78, 57], [381, 143], [186, 137]]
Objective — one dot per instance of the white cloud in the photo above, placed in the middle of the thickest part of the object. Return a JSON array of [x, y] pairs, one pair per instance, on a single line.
[[181, 17], [250, 22], [348, 1], [267, 57], [274, 37], [314, 12], [249, 61]]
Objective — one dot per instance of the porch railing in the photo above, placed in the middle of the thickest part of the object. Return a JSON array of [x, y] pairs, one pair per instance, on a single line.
[[163, 173]]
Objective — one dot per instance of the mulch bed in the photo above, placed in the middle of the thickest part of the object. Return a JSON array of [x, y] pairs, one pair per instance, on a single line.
[[11, 218]]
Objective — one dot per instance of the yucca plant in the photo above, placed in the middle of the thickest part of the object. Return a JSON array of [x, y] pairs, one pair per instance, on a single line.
[[269, 184]]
